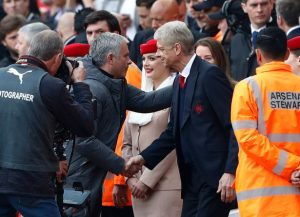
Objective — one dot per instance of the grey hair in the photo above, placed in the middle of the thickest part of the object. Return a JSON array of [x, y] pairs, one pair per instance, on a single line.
[[105, 44], [176, 32], [45, 45], [30, 30], [289, 10]]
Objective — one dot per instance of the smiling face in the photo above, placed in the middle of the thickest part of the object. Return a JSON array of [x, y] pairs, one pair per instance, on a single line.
[[121, 62], [153, 66], [204, 53], [167, 54]]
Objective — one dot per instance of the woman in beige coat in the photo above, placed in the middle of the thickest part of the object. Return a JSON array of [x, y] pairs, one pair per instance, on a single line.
[[156, 193]]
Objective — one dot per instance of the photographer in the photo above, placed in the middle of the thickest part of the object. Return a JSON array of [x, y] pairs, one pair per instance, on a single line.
[[31, 102]]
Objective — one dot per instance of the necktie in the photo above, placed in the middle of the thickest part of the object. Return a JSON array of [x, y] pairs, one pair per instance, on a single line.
[[181, 81], [254, 38]]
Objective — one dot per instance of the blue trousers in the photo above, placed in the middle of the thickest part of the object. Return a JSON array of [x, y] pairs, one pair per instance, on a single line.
[[28, 206]]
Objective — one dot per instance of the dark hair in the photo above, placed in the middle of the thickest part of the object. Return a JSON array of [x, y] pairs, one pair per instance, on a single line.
[[79, 19], [218, 53], [179, 1], [34, 8], [10, 23], [235, 16], [103, 15], [272, 42], [144, 3], [289, 10]]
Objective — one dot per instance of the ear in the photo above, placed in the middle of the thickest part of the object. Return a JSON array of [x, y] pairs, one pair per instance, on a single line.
[[178, 49], [298, 61], [175, 16], [54, 63], [4, 43], [244, 7], [110, 59], [287, 54], [259, 57], [279, 20]]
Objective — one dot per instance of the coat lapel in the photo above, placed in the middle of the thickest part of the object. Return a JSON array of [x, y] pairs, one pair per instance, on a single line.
[[190, 89], [175, 108]]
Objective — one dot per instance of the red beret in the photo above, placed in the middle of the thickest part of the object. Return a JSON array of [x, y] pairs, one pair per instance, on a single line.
[[148, 47], [294, 43], [76, 50]]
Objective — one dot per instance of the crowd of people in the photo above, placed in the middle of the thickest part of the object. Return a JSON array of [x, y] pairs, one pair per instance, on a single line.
[[182, 108]]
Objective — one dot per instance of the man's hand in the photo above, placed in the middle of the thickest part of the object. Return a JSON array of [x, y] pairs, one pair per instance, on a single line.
[[62, 171], [140, 190], [295, 178], [133, 165], [225, 187], [131, 182], [120, 195], [78, 74]]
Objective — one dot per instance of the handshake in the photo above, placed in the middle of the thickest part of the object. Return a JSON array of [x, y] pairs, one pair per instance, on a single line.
[[133, 165]]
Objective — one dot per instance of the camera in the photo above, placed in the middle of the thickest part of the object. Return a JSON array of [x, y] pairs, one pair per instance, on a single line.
[[63, 70]]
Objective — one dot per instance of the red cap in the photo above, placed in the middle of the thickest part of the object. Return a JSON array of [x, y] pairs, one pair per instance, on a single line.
[[76, 50], [294, 43], [148, 47]]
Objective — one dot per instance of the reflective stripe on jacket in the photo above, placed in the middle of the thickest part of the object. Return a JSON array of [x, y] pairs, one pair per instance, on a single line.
[[266, 120]]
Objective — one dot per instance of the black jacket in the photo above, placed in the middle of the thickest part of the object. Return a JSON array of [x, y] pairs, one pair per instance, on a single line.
[[242, 55], [94, 156]]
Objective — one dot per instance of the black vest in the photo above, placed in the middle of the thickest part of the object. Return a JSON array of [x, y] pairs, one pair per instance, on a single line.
[[27, 127]]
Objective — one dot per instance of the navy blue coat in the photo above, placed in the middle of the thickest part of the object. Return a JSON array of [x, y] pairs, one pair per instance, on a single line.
[[294, 33], [205, 126]]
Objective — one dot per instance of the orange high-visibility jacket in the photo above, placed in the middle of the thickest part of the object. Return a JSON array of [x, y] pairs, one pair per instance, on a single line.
[[133, 77], [265, 117]]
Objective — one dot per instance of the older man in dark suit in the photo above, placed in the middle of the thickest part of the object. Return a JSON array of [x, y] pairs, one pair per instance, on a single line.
[[199, 127], [288, 12]]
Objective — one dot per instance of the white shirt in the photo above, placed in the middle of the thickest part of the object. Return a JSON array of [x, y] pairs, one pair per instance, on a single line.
[[187, 69], [257, 30]]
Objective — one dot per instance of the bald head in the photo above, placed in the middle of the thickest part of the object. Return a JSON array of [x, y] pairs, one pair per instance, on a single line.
[[181, 10], [163, 11], [65, 26]]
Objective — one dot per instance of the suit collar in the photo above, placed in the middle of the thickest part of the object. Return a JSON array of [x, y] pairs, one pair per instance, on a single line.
[[292, 29], [187, 69], [190, 89]]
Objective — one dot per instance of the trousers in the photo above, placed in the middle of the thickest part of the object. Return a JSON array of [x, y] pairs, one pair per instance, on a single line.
[[28, 206]]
